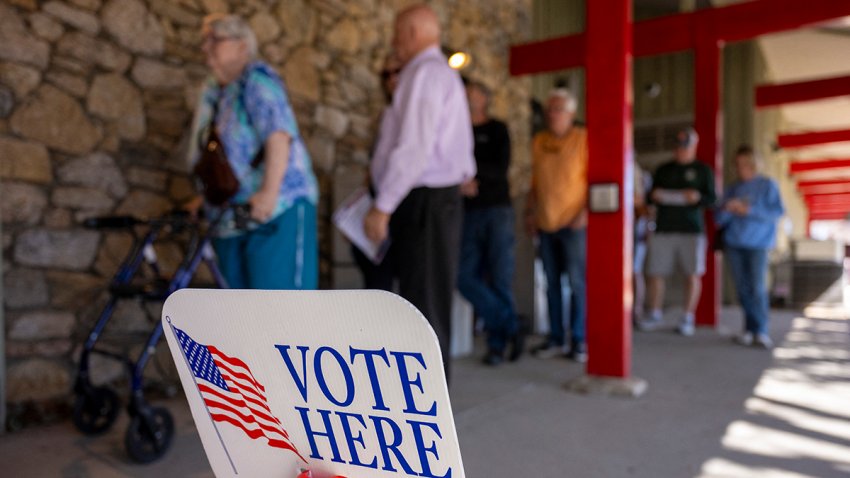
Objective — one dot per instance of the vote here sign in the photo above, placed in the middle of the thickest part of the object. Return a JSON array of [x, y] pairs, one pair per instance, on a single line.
[[346, 383]]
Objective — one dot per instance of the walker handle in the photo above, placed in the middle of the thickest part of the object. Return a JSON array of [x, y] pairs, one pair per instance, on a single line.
[[111, 222]]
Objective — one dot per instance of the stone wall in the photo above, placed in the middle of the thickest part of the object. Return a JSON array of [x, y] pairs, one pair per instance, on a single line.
[[95, 101]]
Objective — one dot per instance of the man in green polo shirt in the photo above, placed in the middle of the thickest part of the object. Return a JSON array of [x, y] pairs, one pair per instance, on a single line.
[[681, 190]]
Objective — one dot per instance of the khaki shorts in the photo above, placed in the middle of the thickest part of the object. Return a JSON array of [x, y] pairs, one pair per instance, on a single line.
[[666, 249]]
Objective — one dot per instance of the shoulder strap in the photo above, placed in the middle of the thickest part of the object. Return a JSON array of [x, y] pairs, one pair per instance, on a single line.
[[261, 153]]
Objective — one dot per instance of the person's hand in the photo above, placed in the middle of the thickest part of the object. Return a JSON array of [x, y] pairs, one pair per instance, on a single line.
[[193, 205], [580, 221], [656, 195], [263, 203], [692, 196], [737, 207], [376, 225], [469, 188]]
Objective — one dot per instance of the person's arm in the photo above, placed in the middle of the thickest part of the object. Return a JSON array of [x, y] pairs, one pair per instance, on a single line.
[[264, 201], [202, 115], [580, 221], [722, 215], [420, 101], [530, 212], [497, 166], [770, 207], [271, 118], [504, 149], [656, 190]]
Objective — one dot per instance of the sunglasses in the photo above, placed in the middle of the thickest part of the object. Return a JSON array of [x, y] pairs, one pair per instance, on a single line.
[[386, 74]]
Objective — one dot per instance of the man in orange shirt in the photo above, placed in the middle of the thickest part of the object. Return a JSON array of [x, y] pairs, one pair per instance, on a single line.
[[556, 212]]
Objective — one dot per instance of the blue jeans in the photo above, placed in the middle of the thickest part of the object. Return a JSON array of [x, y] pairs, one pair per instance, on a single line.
[[564, 251], [280, 254], [487, 269], [749, 267]]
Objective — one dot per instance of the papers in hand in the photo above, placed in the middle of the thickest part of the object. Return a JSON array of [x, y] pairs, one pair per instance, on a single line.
[[349, 220], [669, 197]]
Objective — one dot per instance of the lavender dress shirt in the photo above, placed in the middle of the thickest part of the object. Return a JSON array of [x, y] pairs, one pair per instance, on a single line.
[[426, 133]]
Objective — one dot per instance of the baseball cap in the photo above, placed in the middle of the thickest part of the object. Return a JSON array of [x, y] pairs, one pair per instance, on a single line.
[[686, 137]]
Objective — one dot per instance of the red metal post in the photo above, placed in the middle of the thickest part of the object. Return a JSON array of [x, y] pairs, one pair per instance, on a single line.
[[708, 120], [609, 235]]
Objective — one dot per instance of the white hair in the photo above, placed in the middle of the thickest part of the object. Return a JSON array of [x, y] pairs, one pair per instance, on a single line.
[[234, 26], [570, 102]]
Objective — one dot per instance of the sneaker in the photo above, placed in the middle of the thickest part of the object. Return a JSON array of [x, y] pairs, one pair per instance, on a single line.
[[547, 350], [685, 328], [650, 323], [492, 358], [764, 341], [516, 344], [745, 339], [647, 325], [578, 352]]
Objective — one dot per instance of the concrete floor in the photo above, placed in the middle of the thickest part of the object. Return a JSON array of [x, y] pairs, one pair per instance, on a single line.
[[713, 409]]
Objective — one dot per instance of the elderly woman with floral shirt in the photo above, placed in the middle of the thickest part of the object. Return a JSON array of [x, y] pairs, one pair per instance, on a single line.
[[246, 101]]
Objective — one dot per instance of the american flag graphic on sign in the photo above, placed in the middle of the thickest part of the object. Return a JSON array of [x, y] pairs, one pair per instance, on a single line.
[[232, 394]]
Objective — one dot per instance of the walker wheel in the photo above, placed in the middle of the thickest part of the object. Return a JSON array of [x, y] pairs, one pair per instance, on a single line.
[[95, 410], [149, 435]]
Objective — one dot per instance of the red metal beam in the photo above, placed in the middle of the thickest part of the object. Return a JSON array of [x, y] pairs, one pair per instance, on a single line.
[[828, 199], [842, 212], [828, 205], [811, 183], [827, 216], [662, 35], [799, 140], [548, 55], [747, 20], [674, 33], [817, 165], [825, 190], [842, 199], [773, 95], [609, 235]]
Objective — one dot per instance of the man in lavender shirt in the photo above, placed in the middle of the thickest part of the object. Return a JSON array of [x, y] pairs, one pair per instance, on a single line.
[[424, 153]]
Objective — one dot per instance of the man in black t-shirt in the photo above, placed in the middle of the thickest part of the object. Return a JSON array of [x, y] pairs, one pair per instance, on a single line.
[[487, 248], [681, 190]]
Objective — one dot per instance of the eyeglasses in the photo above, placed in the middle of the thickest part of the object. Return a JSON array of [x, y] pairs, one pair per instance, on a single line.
[[386, 74], [215, 39]]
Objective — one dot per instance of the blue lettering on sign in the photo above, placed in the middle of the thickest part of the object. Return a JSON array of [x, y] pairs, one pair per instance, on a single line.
[[369, 359], [350, 436], [422, 449], [406, 382], [346, 373], [386, 447], [328, 433], [300, 382], [351, 439]]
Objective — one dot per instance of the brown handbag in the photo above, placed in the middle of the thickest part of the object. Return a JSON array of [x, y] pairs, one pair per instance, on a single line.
[[214, 171]]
